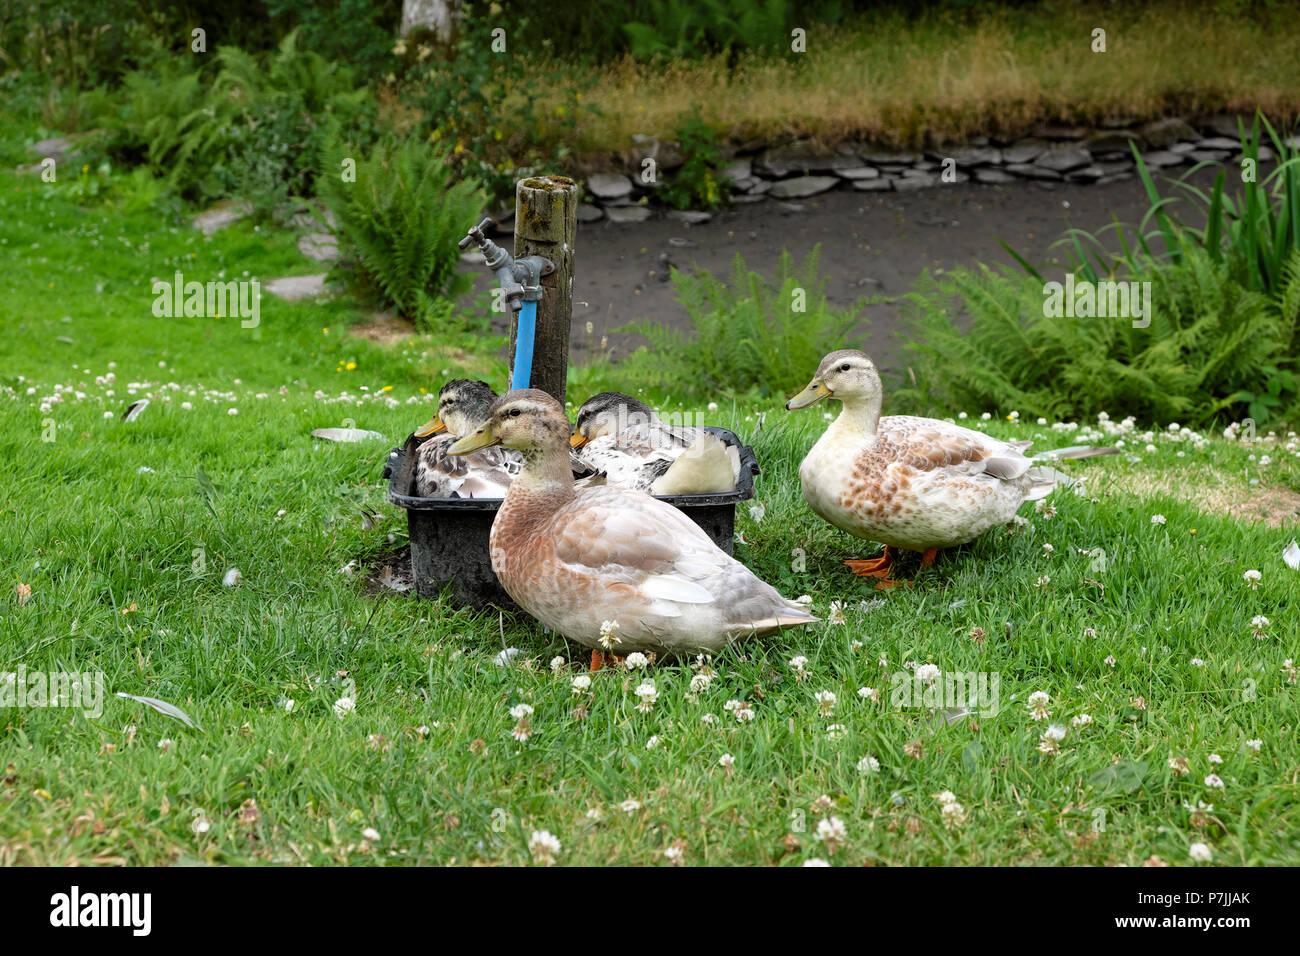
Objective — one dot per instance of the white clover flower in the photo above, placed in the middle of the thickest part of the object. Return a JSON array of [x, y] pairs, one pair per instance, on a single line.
[[707, 719], [648, 694], [636, 661], [1214, 759], [1157, 519], [868, 764], [825, 702], [832, 832], [1083, 720], [371, 834], [673, 854], [836, 731], [558, 664], [928, 672], [700, 683], [1253, 578], [1200, 852], [1037, 705], [544, 846], [1048, 549], [726, 760], [520, 711], [836, 613], [581, 684], [1254, 745], [1043, 581], [953, 814], [344, 706], [609, 634], [1110, 659], [652, 743], [630, 806], [1055, 732], [869, 693], [799, 663], [1215, 781]]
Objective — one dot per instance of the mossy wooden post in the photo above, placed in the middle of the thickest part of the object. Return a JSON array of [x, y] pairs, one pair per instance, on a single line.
[[546, 224]]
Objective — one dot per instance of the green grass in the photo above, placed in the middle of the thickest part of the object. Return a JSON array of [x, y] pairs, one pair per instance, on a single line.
[[111, 555]]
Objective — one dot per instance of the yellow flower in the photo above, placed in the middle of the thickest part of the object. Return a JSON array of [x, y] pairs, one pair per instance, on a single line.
[[325, 330], [387, 388], [351, 366], [86, 168]]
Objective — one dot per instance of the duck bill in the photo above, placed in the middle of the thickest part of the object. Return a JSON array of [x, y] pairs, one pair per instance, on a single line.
[[811, 395], [433, 426], [577, 440], [483, 438]]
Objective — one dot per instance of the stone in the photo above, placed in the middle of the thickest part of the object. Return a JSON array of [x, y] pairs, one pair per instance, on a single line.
[[888, 158], [1114, 178], [873, 185], [589, 213], [993, 176], [803, 186], [919, 181], [692, 217], [1208, 155], [1089, 174], [799, 158], [1030, 171], [1162, 133], [1114, 140], [1182, 147], [293, 288], [760, 186], [1064, 159], [737, 170], [976, 156], [1024, 150], [1223, 124], [609, 185], [321, 246], [628, 213], [666, 154], [1219, 142], [745, 185], [859, 172], [1162, 157], [221, 215]]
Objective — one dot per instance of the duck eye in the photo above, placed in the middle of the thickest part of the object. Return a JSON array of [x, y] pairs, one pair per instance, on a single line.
[[514, 413], [844, 367]]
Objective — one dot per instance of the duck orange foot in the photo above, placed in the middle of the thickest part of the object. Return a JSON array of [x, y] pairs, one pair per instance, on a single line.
[[875, 567], [602, 659]]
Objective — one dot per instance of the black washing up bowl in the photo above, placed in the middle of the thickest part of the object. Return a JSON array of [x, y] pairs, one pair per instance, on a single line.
[[449, 536]]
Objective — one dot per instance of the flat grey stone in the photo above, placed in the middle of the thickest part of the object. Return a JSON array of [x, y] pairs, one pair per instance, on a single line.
[[1114, 178], [1208, 155], [1163, 133], [627, 213], [803, 186], [993, 176], [1162, 157], [589, 213], [873, 185], [1113, 140], [737, 170], [799, 158], [919, 181], [760, 187], [1219, 142], [1089, 174], [1024, 150], [293, 288], [1223, 124], [1030, 171], [976, 156], [745, 185], [221, 215], [1064, 159], [859, 172], [609, 185], [924, 166], [321, 246], [692, 217], [1182, 147]]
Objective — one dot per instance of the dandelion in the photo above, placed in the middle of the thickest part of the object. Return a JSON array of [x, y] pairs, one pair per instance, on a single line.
[[1083, 720], [609, 634], [825, 702], [580, 684], [1214, 781], [1253, 578], [1254, 745], [636, 661], [648, 695], [832, 832], [868, 764], [1200, 852], [1179, 765], [1157, 519], [727, 761], [799, 665], [1037, 705], [544, 846], [928, 672], [344, 706]]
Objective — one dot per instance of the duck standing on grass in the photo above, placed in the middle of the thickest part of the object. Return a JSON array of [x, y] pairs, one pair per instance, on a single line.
[[462, 407], [576, 558], [625, 443], [916, 484]]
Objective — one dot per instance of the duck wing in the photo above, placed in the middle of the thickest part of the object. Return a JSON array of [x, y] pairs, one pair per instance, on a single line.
[[486, 473]]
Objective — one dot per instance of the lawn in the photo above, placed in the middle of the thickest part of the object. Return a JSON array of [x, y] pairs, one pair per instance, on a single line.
[[125, 531]]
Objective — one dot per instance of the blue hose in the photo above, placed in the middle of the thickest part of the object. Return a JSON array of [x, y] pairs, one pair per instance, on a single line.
[[524, 335]]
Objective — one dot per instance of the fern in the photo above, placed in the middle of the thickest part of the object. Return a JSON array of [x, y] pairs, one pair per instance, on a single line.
[[399, 223]]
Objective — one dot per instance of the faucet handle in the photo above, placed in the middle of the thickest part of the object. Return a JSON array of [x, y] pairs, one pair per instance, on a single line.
[[476, 234]]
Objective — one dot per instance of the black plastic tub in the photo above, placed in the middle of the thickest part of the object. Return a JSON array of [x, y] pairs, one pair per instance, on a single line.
[[449, 536]]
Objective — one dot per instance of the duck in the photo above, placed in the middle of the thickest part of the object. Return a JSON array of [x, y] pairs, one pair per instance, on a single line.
[[609, 567], [625, 443], [910, 483], [462, 405]]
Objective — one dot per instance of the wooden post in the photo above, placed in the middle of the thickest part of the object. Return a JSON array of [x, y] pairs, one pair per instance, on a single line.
[[546, 224]]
